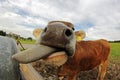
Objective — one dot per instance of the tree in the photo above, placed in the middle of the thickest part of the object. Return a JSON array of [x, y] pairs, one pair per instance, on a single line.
[[2, 33], [29, 38]]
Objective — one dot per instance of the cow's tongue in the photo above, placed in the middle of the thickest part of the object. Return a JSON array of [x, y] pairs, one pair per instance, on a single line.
[[57, 58], [33, 54], [39, 52]]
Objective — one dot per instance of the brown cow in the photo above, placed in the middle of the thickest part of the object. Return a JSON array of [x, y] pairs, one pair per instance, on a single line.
[[83, 55], [88, 55]]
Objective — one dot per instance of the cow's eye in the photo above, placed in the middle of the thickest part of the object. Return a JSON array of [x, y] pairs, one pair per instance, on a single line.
[[73, 28]]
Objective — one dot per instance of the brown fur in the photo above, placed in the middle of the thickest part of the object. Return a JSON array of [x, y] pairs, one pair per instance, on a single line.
[[88, 55]]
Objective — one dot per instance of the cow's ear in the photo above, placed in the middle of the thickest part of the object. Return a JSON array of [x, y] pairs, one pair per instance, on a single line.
[[80, 35], [36, 32]]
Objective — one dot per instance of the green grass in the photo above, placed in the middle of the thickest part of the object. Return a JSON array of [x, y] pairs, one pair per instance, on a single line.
[[27, 41], [115, 51]]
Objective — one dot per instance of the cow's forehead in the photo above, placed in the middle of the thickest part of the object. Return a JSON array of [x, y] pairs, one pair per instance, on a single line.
[[57, 24], [62, 23]]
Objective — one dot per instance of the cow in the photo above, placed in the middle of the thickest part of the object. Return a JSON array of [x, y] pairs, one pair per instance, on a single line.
[[88, 55], [59, 41]]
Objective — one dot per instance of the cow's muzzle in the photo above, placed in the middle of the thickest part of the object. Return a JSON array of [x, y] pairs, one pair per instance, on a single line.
[[56, 35]]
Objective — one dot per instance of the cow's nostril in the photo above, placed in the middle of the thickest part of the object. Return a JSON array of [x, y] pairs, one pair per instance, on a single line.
[[68, 33], [45, 29]]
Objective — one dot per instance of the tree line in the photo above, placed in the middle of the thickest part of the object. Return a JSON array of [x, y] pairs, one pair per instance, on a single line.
[[116, 41], [15, 36]]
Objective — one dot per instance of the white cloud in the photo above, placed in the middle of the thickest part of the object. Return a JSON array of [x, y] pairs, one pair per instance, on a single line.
[[26, 15], [109, 32]]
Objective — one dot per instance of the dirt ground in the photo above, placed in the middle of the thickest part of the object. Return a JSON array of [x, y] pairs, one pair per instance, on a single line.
[[49, 72]]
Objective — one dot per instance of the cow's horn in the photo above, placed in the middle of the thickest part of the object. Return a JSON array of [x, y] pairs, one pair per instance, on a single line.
[[35, 53]]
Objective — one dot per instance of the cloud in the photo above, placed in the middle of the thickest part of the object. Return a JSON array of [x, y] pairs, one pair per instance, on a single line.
[[104, 32], [99, 18]]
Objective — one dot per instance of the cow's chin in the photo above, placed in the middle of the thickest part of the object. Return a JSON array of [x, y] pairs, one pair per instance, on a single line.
[[57, 58]]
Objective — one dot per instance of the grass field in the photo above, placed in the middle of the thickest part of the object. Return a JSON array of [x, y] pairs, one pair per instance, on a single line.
[[115, 51], [27, 41]]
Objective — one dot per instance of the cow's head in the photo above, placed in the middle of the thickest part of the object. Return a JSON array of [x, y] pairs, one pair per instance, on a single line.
[[59, 34], [56, 37]]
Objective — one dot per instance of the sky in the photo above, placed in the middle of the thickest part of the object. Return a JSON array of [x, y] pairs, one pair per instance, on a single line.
[[98, 18]]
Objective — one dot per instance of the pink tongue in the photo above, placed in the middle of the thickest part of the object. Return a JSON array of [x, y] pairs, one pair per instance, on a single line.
[[57, 58]]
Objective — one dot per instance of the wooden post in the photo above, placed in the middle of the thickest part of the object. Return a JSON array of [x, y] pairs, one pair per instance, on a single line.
[[29, 73]]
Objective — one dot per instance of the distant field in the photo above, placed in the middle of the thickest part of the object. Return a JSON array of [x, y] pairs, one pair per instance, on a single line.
[[115, 51], [27, 41]]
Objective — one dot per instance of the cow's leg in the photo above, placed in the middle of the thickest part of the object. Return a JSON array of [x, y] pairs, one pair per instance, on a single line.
[[102, 70], [99, 71]]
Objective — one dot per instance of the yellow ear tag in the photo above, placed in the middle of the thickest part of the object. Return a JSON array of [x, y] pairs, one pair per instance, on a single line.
[[78, 38]]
